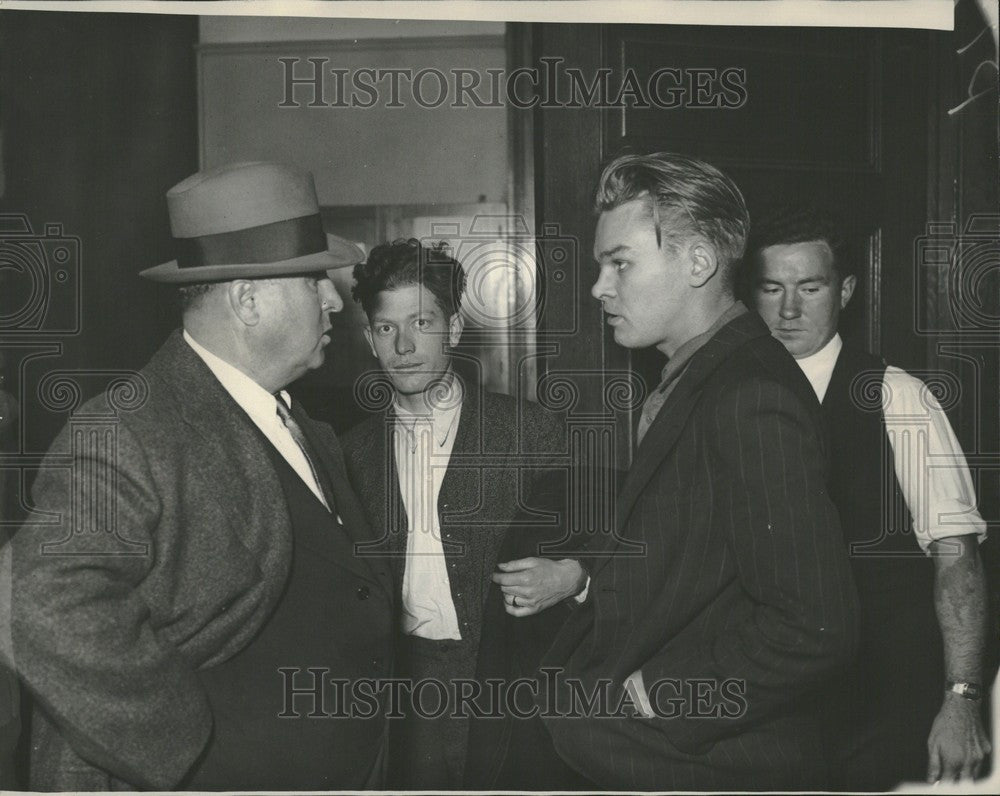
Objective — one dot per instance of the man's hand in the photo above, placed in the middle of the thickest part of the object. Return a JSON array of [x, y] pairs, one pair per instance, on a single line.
[[957, 743], [531, 585]]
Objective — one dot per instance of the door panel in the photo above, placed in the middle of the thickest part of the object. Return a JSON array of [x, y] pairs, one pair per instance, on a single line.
[[836, 118], [766, 82]]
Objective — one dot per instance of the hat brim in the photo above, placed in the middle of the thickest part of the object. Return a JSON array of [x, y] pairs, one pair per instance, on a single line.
[[340, 254]]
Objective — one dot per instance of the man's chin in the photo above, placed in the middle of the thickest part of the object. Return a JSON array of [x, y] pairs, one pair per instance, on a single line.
[[411, 385], [624, 340], [798, 351]]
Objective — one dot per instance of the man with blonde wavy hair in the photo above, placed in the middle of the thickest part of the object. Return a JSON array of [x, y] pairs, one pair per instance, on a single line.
[[724, 596]]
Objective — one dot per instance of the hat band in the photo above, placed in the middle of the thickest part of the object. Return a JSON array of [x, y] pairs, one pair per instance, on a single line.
[[268, 243]]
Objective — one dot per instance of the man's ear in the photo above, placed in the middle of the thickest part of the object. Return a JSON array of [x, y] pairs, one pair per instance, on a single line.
[[455, 327], [243, 300], [370, 339], [847, 285], [704, 263]]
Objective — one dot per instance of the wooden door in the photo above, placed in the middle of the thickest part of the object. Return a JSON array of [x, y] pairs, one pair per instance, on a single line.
[[838, 118]]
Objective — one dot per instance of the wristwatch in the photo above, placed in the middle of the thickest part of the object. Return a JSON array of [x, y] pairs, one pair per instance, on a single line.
[[967, 690]]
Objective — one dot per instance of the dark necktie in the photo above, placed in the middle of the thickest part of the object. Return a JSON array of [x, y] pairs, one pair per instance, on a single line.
[[300, 439]]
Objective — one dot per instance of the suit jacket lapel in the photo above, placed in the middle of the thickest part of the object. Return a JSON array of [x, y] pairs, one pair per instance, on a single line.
[[462, 484], [395, 520], [670, 421]]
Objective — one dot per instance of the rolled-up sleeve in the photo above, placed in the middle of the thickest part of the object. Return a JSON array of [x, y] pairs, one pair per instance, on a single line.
[[930, 466]]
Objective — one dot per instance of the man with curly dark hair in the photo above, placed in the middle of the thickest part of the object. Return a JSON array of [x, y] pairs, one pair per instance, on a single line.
[[441, 476]]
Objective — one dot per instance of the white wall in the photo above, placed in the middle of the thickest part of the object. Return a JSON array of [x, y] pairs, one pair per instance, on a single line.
[[222, 30], [359, 156]]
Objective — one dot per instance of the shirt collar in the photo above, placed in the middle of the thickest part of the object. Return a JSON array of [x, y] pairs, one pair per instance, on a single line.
[[819, 367], [252, 398], [683, 354], [443, 415]]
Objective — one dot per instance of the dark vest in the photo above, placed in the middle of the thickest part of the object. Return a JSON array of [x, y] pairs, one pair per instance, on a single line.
[[877, 525], [900, 648], [253, 746]]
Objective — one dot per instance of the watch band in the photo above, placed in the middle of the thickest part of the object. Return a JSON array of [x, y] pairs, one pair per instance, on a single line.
[[966, 690]]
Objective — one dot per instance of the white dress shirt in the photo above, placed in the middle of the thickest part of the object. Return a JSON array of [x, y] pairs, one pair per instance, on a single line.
[[260, 405], [930, 466], [423, 445]]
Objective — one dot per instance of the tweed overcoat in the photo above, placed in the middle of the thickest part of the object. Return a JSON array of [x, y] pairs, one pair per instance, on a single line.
[[154, 551]]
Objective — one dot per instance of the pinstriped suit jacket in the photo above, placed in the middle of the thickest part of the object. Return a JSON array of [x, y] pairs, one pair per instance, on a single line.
[[742, 582]]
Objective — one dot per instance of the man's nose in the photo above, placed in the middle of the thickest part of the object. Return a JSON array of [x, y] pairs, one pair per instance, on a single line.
[[332, 302], [790, 306], [404, 343], [604, 286]]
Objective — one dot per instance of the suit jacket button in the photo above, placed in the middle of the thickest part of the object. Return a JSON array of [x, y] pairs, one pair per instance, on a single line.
[[362, 592]]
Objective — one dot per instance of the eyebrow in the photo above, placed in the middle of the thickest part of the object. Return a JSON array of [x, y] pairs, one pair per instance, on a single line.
[[376, 318], [822, 279], [612, 251]]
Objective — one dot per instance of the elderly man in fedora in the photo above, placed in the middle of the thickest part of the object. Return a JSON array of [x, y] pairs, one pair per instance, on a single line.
[[227, 654]]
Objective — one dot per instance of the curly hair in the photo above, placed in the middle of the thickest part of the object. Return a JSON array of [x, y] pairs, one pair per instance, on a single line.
[[408, 262], [693, 196], [798, 223]]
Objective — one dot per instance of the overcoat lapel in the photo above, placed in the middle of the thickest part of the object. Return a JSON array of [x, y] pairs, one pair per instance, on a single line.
[[670, 421], [248, 481]]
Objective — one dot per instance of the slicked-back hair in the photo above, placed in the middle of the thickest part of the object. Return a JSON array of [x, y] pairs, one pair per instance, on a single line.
[[788, 223], [687, 197], [408, 262]]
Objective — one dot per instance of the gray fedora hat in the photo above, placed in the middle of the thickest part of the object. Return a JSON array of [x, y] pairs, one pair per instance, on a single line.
[[249, 221]]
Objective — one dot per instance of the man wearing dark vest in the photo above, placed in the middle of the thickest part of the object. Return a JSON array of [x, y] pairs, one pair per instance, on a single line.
[[202, 636], [908, 512], [443, 472]]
